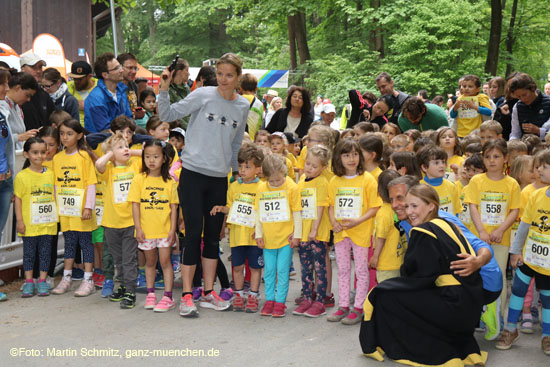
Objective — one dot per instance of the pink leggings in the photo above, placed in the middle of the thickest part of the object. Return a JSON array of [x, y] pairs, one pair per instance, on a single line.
[[528, 302], [343, 260]]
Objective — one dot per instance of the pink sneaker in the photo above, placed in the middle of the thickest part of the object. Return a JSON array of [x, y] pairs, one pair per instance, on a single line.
[[85, 289], [354, 317], [62, 287], [304, 306], [150, 301], [165, 304], [317, 309]]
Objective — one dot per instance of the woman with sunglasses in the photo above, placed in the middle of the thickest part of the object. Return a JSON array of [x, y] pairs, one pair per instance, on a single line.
[[56, 86]]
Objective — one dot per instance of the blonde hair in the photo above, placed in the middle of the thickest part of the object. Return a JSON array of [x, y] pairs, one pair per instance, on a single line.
[[321, 152], [324, 133], [233, 60], [400, 141], [111, 141], [491, 125], [272, 164], [275, 99], [428, 195], [521, 164], [517, 146]]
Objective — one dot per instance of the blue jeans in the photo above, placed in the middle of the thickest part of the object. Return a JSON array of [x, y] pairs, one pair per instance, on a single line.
[[6, 191], [276, 273]]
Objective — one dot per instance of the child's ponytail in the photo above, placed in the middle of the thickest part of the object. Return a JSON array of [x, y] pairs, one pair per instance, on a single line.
[[27, 146]]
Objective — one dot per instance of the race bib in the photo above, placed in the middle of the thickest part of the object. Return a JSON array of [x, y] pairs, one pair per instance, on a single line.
[[348, 203], [514, 231], [465, 215], [446, 204], [121, 187], [69, 202], [309, 203], [450, 175], [273, 207], [468, 113], [242, 211], [43, 210], [537, 250], [494, 206], [99, 211]]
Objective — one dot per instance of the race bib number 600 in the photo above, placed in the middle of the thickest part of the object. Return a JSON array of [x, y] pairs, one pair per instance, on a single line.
[[537, 249]]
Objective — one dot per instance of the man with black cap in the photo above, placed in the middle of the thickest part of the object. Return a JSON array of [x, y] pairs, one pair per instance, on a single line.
[[81, 84], [37, 111]]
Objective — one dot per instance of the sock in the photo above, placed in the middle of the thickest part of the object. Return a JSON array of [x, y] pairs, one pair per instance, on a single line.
[[150, 290], [41, 280], [186, 293], [88, 276], [168, 294], [29, 281], [527, 316], [67, 274], [206, 293], [240, 292], [253, 294]]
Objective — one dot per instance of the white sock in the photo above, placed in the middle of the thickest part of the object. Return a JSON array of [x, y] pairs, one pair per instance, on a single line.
[[67, 274], [240, 293], [88, 277], [255, 294]]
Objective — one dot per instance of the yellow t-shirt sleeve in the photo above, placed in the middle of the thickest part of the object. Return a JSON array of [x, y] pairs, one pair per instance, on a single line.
[[383, 225], [301, 161], [134, 195], [19, 186], [174, 199], [322, 192], [471, 193], [515, 196]]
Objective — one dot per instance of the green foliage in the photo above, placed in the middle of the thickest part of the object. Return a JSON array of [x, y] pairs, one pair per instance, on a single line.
[[426, 44]]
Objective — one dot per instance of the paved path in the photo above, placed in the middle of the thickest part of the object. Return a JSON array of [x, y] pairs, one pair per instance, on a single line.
[[33, 331]]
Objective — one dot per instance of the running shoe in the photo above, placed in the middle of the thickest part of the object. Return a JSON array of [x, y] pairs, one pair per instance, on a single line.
[[150, 301], [507, 339], [279, 310], [28, 290], [43, 289], [491, 318], [108, 288], [165, 304], [85, 289], [251, 304], [128, 301], [213, 301], [187, 307], [62, 287], [317, 309]]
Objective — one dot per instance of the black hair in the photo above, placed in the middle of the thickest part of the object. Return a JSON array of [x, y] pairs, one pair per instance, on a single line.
[[383, 181], [165, 147], [177, 135], [49, 131], [476, 161], [25, 80], [27, 147], [75, 125], [208, 76], [146, 93]]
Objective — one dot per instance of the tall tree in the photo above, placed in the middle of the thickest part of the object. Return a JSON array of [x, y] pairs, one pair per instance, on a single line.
[[491, 63], [510, 39]]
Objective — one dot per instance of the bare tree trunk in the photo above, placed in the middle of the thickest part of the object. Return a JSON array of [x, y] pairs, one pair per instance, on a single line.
[[491, 63], [119, 35], [510, 39], [376, 41], [152, 27], [292, 42], [301, 37]]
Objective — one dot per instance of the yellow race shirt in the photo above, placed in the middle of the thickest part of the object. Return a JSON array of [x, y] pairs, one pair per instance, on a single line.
[[301, 161], [99, 198], [351, 198], [449, 199], [469, 119], [314, 193], [494, 200], [275, 206], [154, 196], [290, 169], [292, 159], [37, 202], [117, 209], [241, 200], [449, 173], [464, 216], [536, 250], [73, 174], [393, 253], [376, 172], [48, 165]]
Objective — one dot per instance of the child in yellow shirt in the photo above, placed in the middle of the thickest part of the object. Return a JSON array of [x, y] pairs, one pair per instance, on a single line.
[[470, 106], [353, 201], [278, 146], [36, 214], [472, 166], [278, 231], [448, 140], [241, 197]]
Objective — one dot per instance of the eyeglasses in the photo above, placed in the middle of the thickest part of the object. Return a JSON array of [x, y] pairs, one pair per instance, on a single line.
[[44, 86], [116, 68], [133, 68]]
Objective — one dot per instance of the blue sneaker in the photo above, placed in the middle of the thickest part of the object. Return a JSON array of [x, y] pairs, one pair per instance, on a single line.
[[108, 288], [159, 281], [78, 274], [141, 284], [28, 290], [43, 289], [3, 297]]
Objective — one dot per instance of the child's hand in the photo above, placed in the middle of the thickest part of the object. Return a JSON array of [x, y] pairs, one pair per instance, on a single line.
[[181, 225], [516, 260], [496, 235], [86, 213], [171, 238], [336, 227], [222, 232], [349, 223], [294, 242], [470, 104], [504, 109], [216, 209], [373, 262], [454, 167], [312, 235], [140, 235], [21, 227], [260, 242], [484, 236]]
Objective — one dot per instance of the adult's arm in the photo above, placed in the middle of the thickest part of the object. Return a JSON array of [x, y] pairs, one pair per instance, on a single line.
[[139, 138], [180, 109], [237, 143], [96, 118], [516, 130], [71, 106], [93, 140], [277, 123]]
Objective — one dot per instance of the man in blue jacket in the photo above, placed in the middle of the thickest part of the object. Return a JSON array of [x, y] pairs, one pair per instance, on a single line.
[[109, 99]]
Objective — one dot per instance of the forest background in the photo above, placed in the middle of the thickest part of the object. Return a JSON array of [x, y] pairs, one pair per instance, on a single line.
[[331, 46]]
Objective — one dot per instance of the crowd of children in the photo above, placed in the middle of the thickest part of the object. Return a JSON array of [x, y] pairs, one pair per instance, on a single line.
[[331, 193]]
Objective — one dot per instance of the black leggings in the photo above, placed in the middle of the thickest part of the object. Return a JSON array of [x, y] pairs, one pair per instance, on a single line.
[[53, 258], [221, 273], [198, 195]]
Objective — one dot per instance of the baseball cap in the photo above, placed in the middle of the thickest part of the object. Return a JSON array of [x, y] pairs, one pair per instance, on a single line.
[[178, 130], [279, 134], [328, 108], [31, 59], [80, 69], [290, 137], [273, 93]]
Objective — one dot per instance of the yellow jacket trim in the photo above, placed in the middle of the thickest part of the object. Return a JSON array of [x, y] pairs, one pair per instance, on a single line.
[[446, 280]]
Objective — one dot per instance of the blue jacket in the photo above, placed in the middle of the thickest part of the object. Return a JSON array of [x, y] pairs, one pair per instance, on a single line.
[[100, 108], [490, 272]]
